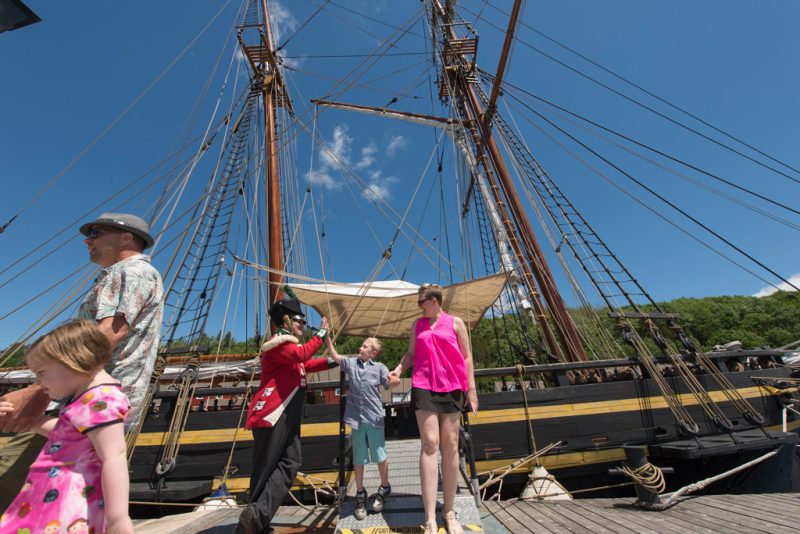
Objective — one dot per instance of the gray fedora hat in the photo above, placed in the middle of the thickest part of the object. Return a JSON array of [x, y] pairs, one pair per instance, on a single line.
[[122, 221]]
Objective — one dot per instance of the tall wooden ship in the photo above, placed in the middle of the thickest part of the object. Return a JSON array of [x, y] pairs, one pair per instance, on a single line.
[[576, 393]]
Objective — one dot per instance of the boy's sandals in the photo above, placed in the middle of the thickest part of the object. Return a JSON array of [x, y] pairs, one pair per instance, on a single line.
[[451, 524], [430, 527]]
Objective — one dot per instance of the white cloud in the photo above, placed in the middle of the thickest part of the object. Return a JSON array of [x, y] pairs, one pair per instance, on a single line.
[[769, 290], [367, 156], [322, 178], [335, 158], [378, 188], [283, 21], [337, 153], [291, 62], [396, 142]]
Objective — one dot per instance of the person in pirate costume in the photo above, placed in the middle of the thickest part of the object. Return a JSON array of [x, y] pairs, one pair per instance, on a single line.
[[276, 411]]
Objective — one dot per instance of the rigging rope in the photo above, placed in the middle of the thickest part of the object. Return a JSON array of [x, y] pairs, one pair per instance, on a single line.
[[123, 113], [649, 93], [655, 112]]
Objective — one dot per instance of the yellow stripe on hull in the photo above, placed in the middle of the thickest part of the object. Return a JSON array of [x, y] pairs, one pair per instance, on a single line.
[[599, 407]]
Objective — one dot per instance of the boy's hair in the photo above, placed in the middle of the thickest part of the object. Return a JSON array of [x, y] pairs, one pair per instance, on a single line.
[[376, 344], [430, 291], [79, 345]]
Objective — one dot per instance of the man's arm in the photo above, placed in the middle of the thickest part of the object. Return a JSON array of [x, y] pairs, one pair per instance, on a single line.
[[115, 329], [29, 404]]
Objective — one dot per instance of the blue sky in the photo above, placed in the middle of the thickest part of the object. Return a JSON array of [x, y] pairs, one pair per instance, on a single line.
[[66, 79]]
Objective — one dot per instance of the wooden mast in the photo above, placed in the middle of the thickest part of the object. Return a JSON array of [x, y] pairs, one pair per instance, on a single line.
[[273, 191], [267, 79], [455, 65]]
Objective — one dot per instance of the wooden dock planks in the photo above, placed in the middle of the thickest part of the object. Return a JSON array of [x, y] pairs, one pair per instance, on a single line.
[[767, 513]]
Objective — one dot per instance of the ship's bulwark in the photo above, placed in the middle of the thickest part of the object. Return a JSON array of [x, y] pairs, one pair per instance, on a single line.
[[593, 422]]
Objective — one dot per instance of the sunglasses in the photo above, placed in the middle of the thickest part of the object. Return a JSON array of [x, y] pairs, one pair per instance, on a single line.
[[420, 301], [301, 321], [94, 233]]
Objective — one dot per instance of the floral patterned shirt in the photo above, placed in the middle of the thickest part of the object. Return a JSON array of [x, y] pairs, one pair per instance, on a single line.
[[63, 492], [132, 288]]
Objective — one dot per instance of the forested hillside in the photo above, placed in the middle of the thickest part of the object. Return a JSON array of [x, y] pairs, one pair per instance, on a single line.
[[771, 321]]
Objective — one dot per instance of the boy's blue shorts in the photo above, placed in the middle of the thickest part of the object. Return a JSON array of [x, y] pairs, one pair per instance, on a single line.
[[368, 441]]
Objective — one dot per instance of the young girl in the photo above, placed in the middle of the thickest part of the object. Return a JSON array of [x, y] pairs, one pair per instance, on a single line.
[[81, 475]]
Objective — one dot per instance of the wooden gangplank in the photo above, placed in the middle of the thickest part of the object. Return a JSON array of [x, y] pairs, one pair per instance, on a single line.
[[403, 510]]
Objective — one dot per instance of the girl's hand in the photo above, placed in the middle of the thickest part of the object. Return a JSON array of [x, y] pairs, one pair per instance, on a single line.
[[123, 525]]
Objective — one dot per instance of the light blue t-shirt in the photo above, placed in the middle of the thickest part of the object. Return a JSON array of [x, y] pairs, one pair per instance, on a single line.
[[364, 403]]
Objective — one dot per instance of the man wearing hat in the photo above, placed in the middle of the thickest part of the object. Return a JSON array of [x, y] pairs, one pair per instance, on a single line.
[[276, 411], [126, 300]]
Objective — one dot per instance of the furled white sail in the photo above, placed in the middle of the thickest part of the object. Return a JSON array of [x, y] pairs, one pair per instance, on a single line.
[[388, 308]]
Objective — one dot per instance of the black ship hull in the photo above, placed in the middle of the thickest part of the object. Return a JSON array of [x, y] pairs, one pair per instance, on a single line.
[[592, 422]]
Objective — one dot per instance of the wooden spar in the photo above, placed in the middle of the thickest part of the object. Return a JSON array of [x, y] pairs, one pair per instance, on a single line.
[[537, 263], [273, 190], [501, 65], [419, 118]]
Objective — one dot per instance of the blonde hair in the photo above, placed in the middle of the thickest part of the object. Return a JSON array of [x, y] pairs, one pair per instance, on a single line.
[[79, 345], [377, 346]]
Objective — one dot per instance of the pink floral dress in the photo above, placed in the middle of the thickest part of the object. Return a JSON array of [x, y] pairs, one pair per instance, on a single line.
[[63, 493]]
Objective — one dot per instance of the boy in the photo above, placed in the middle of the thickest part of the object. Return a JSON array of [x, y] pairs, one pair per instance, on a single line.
[[364, 413]]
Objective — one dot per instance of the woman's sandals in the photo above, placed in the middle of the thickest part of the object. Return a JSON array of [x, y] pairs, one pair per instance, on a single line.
[[451, 524]]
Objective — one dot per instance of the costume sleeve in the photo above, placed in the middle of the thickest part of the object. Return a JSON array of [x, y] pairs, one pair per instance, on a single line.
[[123, 292], [289, 353], [100, 406], [316, 364]]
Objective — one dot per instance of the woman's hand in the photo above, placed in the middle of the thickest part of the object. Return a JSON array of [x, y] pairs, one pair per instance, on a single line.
[[394, 378], [472, 398]]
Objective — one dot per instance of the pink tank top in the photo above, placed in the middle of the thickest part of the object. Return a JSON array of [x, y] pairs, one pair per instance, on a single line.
[[438, 363]]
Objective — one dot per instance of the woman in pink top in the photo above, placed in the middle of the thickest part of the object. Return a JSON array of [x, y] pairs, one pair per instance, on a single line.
[[442, 381]]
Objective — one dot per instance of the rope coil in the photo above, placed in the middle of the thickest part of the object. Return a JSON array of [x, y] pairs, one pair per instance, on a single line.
[[649, 476]]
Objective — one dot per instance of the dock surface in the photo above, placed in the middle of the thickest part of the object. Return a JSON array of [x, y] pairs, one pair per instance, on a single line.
[[769, 513], [774, 513]]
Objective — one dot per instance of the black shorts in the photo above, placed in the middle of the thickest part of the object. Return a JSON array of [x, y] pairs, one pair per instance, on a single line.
[[433, 401]]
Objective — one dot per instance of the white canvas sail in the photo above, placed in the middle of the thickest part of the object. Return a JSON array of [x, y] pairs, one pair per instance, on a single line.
[[388, 308]]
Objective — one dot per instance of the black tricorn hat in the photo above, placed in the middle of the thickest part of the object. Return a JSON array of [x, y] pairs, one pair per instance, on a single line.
[[290, 307]]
